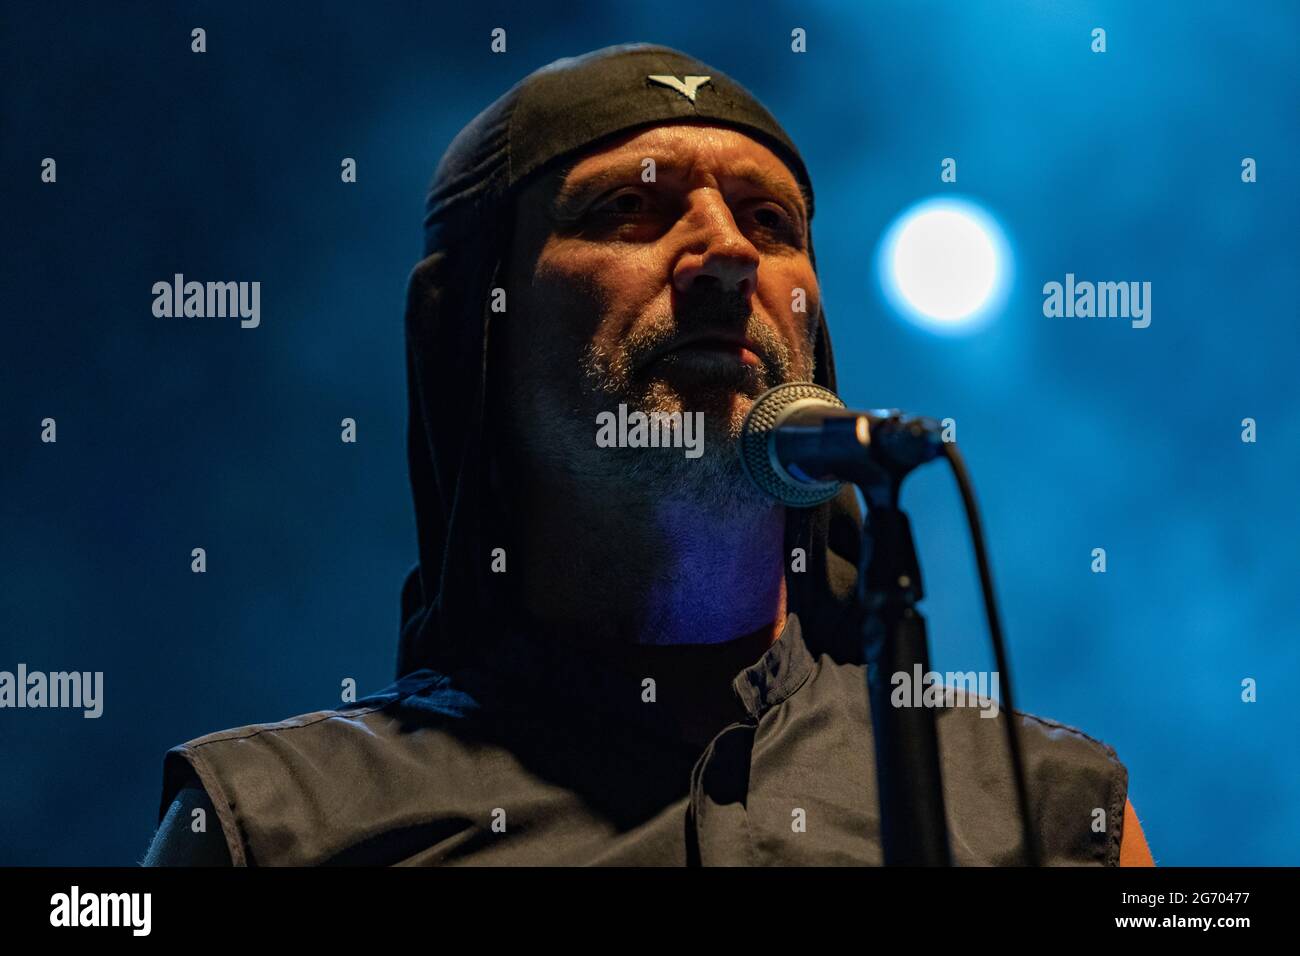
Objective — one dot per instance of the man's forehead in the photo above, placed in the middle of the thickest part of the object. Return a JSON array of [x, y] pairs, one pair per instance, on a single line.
[[684, 142], [676, 148]]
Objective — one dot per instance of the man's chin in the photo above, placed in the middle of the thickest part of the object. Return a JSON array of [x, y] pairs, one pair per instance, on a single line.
[[724, 399], [672, 442]]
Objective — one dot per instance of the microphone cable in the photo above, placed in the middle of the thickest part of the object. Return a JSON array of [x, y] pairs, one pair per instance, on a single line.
[[1032, 850]]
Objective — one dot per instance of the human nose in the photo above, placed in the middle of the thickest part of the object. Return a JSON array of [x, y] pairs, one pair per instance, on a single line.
[[717, 254]]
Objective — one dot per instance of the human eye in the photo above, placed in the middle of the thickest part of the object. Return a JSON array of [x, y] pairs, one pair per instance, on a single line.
[[774, 220], [624, 202]]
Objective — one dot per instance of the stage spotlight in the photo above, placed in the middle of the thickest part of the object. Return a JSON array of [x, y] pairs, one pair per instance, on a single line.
[[945, 265]]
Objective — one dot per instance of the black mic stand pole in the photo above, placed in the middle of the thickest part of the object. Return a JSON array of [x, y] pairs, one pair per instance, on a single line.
[[913, 827]]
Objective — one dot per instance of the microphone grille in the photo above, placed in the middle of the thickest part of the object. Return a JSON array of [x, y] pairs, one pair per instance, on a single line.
[[756, 456]]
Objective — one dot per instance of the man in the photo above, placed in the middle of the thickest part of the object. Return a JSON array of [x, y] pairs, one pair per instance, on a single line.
[[618, 655]]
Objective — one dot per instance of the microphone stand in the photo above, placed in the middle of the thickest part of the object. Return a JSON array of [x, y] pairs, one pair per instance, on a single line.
[[913, 826], [799, 442]]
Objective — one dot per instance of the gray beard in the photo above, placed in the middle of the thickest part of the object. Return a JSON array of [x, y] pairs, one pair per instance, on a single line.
[[646, 476], [716, 477], [666, 474]]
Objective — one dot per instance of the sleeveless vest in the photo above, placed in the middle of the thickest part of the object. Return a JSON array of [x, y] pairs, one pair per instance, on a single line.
[[541, 756]]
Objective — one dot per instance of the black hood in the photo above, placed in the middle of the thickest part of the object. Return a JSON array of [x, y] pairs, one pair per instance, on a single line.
[[449, 606]]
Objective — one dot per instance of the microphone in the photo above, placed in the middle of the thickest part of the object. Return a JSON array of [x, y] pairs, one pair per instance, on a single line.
[[799, 443]]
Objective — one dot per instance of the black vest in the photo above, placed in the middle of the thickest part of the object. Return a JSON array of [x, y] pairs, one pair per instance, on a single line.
[[539, 755]]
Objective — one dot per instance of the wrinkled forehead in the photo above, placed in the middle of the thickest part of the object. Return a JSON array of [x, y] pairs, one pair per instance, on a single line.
[[684, 143], [669, 149]]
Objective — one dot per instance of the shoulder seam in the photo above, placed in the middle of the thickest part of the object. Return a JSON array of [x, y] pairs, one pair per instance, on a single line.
[[1057, 725], [255, 730]]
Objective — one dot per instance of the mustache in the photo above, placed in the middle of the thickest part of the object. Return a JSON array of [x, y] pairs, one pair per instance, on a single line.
[[707, 315], [652, 340]]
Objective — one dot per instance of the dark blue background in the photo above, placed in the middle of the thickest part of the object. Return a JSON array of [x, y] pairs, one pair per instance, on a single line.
[[1080, 434]]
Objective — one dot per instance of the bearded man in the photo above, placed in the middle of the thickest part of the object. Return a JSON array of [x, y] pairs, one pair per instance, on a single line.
[[618, 655]]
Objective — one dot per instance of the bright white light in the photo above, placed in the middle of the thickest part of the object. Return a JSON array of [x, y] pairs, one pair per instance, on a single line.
[[944, 264]]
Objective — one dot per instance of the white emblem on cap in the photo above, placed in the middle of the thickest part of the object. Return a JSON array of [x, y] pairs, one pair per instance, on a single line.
[[687, 86]]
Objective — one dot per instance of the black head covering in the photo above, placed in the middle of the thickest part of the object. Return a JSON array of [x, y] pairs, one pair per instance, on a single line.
[[448, 602]]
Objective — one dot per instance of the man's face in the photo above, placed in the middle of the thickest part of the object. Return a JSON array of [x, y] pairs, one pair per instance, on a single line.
[[690, 293]]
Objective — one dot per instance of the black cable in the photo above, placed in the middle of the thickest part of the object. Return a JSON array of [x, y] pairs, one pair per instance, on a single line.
[[950, 451]]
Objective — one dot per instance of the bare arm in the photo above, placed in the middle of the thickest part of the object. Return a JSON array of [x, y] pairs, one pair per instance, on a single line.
[[177, 844], [1133, 849]]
